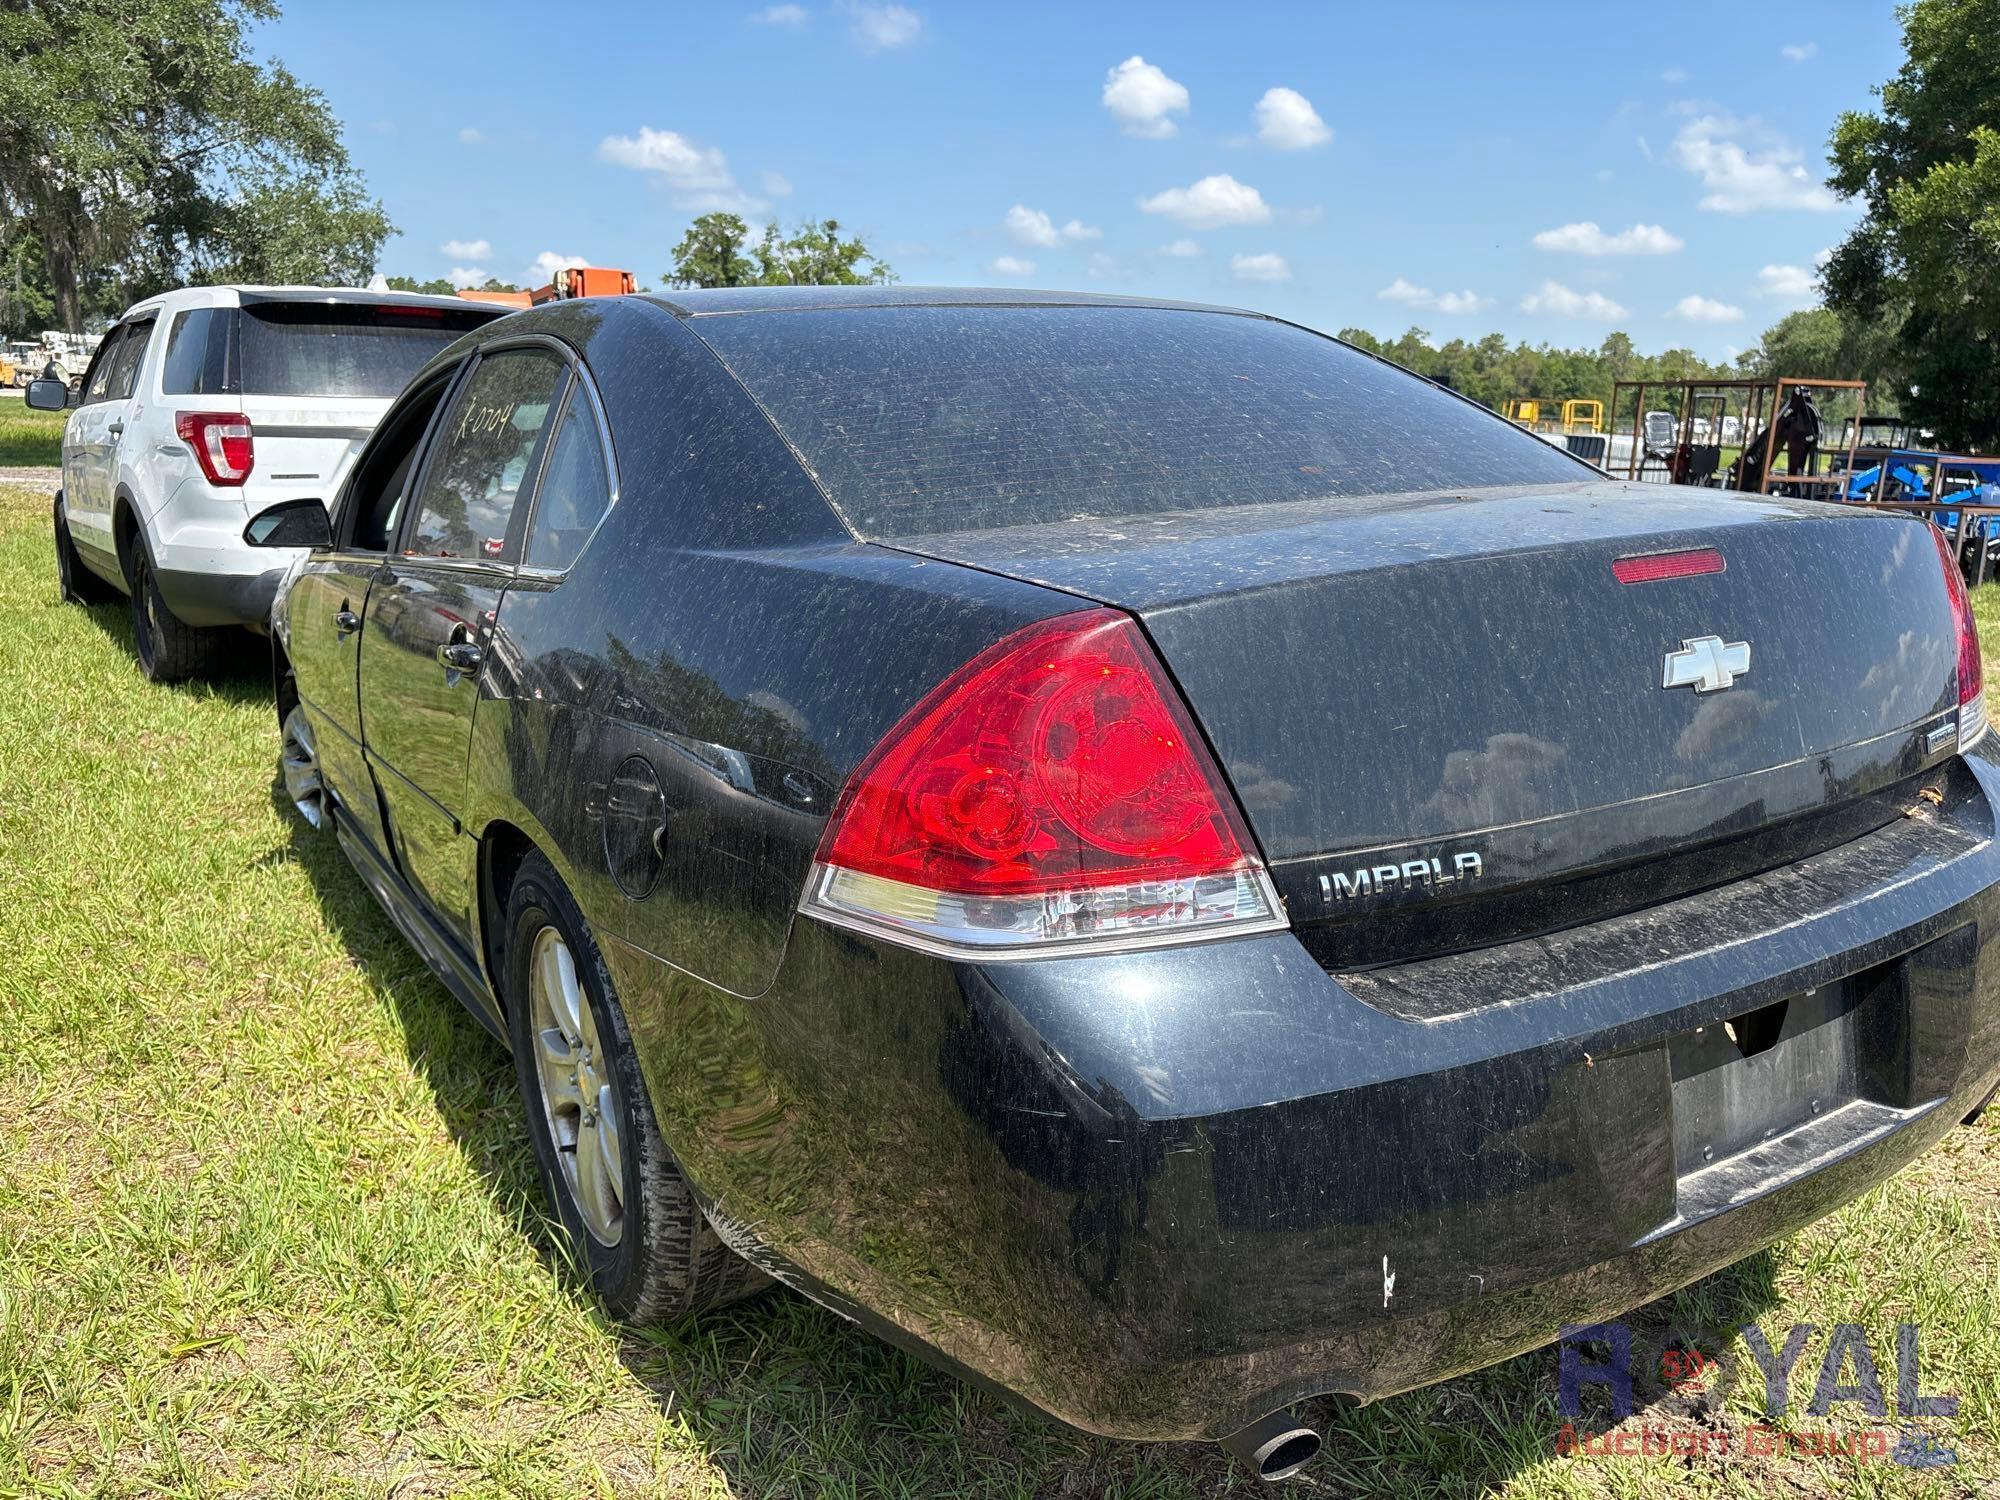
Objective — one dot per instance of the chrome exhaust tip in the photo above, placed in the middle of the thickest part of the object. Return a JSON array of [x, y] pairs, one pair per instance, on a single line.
[[1273, 1447]]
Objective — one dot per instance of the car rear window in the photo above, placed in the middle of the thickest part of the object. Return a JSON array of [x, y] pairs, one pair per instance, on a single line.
[[322, 349], [930, 419]]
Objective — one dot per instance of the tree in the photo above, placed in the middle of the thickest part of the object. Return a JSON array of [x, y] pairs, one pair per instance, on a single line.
[[144, 147], [438, 286], [715, 252], [816, 255], [711, 253], [1925, 259]]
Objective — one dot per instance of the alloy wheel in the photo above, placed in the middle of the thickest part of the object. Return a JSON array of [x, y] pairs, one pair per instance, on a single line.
[[298, 760], [574, 1072]]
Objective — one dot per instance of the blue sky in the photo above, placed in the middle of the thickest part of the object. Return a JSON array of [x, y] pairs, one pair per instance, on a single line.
[[1550, 171]]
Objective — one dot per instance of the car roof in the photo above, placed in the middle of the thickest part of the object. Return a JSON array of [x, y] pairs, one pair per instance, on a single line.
[[699, 303]]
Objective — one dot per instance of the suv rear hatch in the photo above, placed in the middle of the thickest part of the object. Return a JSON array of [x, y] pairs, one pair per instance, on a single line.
[[1431, 702], [313, 376]]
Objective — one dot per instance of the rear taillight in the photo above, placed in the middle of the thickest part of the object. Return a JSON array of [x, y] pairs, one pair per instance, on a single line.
[[1052, 793], [1971, 677], [222, 442]]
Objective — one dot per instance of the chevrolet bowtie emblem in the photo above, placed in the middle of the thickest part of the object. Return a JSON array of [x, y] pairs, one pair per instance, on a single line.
[[1707, 663]]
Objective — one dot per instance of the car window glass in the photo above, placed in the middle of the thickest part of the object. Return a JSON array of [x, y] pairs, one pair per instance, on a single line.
[[375, 498], [97, 379], [940, 419], [575, 491], [131, 354], [192, 365], [485, 457]]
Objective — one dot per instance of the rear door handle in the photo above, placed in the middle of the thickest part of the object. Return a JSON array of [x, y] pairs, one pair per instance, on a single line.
[[115, 428], [346, 621]]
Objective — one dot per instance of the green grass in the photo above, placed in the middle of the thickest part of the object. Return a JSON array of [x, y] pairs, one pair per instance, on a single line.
[[268, 1223], [29, 438]]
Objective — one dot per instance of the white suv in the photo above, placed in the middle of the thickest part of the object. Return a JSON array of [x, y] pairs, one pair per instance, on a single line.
[[202, 407]]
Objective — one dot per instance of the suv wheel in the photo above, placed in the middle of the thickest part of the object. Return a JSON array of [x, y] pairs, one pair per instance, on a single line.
[[621, 1199], [78, 584], [169, 651]]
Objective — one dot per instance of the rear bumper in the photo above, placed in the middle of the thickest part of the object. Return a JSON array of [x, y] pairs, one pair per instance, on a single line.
[[199, 598], [1159, 1194]]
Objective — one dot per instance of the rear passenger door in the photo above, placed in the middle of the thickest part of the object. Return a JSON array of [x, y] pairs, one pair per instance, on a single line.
[[431, 612]]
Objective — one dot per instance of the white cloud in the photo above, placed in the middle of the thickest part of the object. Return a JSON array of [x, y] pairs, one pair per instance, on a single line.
[[776, 184], [1012, 266], [1287, 121], [1674, 75], [698, 176], [470, 137], [1587, 239], [1143, 98], [1706, 310], [1800, 51], [884, 28], [548, 263], [1409, 294], [1030, 226], [1265, 267], [1823, 257], [466, 250], [1555, 298], [1181, 249], [1791, 284], [465, 276], [1741, 178], [1210, 203], [1102, 263], [779, 15]]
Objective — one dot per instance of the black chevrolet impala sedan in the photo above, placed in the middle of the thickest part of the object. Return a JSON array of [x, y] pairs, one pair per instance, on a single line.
[[1159, 861]]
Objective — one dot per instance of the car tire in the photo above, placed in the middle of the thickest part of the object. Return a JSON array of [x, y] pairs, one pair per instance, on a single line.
[[77, 583], [168, 649], [622, 1201], [299, 769]]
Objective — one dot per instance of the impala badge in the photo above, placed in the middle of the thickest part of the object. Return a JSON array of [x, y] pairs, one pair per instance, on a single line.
[[1707, 663]]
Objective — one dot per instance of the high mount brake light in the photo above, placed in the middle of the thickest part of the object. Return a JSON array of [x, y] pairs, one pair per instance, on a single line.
[[1971, 680], [223, 444], [1652, 567], [1052, 794]]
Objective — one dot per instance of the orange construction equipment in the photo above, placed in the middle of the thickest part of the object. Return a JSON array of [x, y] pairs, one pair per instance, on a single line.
[[571, 281]]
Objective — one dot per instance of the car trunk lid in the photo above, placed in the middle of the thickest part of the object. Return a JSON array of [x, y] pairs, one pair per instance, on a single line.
[[1426, 700]]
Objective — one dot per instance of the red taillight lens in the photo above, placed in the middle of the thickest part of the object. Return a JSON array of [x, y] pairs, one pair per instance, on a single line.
[[1651, 567], [222, 441], [1053, 790], [1971, 673]]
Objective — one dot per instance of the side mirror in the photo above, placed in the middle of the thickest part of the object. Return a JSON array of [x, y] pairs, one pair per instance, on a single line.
[[290, 523], [48, 395]]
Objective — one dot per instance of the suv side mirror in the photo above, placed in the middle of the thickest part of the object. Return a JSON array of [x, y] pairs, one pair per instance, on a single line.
[[290, 523], [48, 395]]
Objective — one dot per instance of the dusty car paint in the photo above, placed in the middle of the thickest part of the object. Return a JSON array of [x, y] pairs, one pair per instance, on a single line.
[[1159, 1194]]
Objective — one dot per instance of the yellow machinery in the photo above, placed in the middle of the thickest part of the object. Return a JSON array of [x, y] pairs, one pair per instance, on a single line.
[[1538, 414]]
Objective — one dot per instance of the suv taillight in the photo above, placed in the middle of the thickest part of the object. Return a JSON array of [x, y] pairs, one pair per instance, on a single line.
[[222, 441], [1051, 794], [1971, 677]]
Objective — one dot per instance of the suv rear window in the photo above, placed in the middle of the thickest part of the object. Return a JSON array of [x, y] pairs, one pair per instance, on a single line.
[[308, 348], [932, 419], [321, 349]]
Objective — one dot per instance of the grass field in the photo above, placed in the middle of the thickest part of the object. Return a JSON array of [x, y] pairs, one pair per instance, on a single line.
[[268, 1225], [29, 438]]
